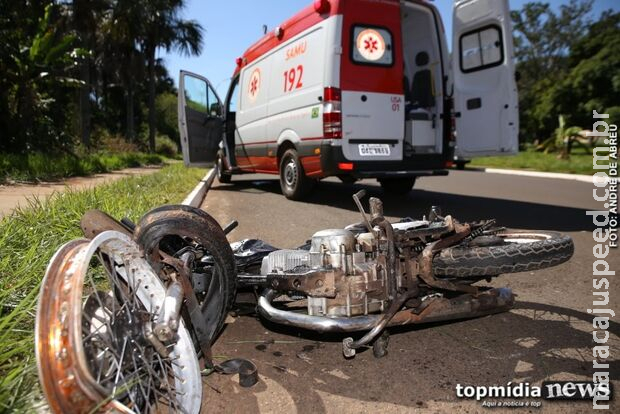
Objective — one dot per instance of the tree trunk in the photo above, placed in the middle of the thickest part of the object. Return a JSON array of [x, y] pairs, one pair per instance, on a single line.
[[151, 102], [130, 134], [84, 104]]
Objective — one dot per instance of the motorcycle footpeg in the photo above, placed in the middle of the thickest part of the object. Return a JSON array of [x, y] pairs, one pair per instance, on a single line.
[[347, 351]]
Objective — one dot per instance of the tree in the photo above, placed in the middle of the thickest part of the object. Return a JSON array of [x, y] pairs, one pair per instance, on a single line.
[[163, 28], [123, 59], [86, 15], [543, 42], [35, 85]]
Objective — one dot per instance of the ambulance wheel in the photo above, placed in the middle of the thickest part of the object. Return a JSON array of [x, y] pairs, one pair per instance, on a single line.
[[293, 180], [222, 176], [397, 186]]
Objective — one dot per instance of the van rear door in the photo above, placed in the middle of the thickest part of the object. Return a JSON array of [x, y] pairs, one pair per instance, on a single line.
[[371, 79], [485, 91], [200, 120]]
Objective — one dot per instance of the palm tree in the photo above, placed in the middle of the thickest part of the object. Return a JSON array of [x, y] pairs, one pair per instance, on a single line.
[[123, 33], [86, 14], [164, 28]]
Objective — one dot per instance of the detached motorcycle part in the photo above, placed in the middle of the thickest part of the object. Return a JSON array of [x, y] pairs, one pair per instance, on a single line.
[[519, 251], [349, 345], [380, 346], [172, 228], [93, 335], [95, 222]]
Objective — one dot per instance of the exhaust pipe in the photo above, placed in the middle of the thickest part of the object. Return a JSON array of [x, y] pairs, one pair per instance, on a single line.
[[314, 323], [435, 309]]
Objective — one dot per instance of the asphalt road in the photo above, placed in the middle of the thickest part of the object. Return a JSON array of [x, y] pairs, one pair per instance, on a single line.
[[547, 336]]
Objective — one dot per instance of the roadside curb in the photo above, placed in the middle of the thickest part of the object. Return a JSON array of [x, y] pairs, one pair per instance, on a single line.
[[198, 194], [561, 176]]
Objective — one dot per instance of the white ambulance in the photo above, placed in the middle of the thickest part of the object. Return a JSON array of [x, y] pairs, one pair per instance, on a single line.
[[359, 89]]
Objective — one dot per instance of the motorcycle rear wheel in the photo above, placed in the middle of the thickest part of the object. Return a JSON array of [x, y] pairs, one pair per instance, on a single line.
[[517, 251]]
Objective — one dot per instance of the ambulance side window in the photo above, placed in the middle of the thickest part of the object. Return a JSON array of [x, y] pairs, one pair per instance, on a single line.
[[215, 108], [196, 94], [481, 48], [234, 97], [372, 46]]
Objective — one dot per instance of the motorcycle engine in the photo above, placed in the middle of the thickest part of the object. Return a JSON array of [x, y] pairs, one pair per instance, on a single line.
[[341, 275]]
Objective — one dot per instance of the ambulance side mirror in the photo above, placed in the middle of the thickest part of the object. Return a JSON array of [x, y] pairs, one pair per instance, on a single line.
[[215, 110]]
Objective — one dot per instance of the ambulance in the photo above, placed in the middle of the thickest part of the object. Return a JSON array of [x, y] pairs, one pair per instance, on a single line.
[[360, 89]]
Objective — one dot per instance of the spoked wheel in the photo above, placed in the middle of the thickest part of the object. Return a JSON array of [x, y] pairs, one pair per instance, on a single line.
[[175, 230], [94, 337], [506, 252]]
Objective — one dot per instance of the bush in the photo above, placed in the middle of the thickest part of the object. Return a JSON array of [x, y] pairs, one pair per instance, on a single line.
[[166, 147], [111, 143], [45, 167], [167, 121]]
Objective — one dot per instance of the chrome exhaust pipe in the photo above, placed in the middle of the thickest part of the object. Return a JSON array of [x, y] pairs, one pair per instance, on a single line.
[[313, 323], [435, 309]]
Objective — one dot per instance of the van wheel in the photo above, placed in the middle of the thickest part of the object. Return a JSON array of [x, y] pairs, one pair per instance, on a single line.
[[222, 176], [397, 186], [293, 180]]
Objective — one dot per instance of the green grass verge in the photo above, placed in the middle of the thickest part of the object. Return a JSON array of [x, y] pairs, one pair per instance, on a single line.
[[45, 167], [28, 239], [578, 163]]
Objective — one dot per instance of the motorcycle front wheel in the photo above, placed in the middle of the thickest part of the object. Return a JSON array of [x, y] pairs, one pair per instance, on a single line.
[[94, 343], [509, 252], [174, 228]]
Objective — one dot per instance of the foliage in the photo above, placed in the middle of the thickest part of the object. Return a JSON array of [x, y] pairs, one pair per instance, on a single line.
[[167, 116], [166, 147], [28, 239], [36, 79], [563, 139], [568, 66], [164, 28], [45, 167], [70, 68], [113, 143]]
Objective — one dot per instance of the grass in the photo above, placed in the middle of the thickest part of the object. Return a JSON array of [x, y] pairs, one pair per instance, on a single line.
[[44, 167], [28, 239], [579, 163]]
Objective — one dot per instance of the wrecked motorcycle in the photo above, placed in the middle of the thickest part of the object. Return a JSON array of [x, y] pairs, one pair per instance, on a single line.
[[126, 319]]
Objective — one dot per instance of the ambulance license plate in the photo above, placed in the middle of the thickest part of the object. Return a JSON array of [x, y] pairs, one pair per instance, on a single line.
[[374, 150]]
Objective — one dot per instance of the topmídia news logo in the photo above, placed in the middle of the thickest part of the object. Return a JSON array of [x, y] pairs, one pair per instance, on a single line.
[[527, 395]]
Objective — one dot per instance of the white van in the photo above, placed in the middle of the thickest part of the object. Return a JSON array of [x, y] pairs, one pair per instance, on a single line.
[[358, 89]]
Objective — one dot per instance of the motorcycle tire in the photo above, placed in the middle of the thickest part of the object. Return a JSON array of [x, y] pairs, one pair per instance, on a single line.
[[517, 251], [159, 226]]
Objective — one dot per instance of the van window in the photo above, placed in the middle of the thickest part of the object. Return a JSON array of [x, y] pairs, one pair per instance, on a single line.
[[215, 108], [481, 49], [196, 94], [372, 46], [234, 97]]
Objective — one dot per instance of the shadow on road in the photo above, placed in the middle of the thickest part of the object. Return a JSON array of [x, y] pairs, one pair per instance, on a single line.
[[509, 213], [532, 343]]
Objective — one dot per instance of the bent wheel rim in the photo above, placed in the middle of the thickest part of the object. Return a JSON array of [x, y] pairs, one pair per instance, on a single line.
[[70, 372]]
